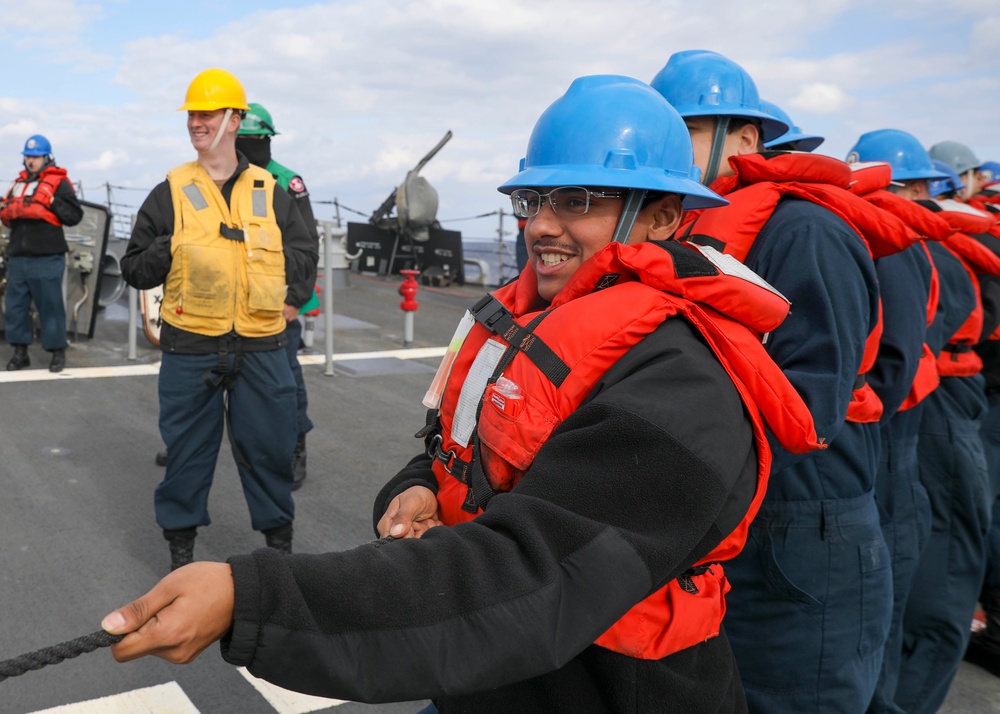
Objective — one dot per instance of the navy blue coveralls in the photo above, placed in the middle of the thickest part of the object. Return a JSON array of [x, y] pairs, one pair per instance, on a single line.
[[293, 337], [262, 412], [953, 470], [904, 285], [811, 600], [989, 639]]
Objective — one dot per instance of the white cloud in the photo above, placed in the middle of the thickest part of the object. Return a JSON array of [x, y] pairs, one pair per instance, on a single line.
[[375, 84], [38, 18], [821, 98], [984, 38], [18, 130], [107, 160], [361, 89], [52, 31]]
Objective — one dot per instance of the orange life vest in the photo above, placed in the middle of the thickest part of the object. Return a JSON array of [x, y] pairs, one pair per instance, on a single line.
[[957, 358], [988, 199], [485, 436], [869, 181], [20, 202], [760, 182]]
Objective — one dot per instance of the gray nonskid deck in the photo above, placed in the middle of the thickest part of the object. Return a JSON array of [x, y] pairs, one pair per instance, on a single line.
[[77, 471]]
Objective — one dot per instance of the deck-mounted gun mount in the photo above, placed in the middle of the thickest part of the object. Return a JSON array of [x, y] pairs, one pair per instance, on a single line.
[[412, 238]]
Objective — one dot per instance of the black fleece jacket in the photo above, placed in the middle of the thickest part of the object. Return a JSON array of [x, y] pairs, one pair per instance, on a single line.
[[499, 615]]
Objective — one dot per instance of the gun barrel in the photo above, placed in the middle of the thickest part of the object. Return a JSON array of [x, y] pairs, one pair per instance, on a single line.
[[430, 154], [383, 211]]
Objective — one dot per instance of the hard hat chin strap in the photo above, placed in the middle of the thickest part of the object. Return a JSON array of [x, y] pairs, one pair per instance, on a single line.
[[715, 157], [633, 204], [222, 129]]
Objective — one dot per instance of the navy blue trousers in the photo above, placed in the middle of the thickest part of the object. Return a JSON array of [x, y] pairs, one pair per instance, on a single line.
[[262, 413], [293, 333], [950, 572], [39, 280], [991, 443], [905, 512], [809, 611]]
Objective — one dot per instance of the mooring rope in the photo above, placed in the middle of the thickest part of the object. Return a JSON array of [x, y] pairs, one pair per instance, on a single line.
[[56, 653], [81, 645]]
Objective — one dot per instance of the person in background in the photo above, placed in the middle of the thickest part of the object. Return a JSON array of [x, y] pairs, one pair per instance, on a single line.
[[988, 196], [964, 162], [38, 205], [254, 142], [589, 517], [224, 241]]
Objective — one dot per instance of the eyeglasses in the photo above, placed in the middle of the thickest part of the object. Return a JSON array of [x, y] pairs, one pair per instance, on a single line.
[[565, 201]]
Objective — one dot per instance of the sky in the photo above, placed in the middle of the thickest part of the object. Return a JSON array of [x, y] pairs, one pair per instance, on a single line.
[[360, 90]]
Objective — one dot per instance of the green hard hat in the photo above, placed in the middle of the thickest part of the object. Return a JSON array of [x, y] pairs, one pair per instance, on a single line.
[[257, 122]]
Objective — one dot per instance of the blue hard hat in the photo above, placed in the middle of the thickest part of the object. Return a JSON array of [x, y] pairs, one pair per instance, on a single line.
[[37, 145], [902, 151], [612, 131], [704, 83], [993, 169], [946, 185], [794, 135]]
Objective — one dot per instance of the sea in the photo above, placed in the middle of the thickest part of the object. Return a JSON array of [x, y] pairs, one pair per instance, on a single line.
[[489, 262]]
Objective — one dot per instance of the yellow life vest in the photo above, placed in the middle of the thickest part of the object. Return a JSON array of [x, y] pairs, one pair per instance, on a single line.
[[228, 270]]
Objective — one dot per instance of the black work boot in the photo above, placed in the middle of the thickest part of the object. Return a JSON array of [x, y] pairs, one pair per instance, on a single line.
[[20, 360], [280, 538], [299, 463], [181, 547], [58, 360]]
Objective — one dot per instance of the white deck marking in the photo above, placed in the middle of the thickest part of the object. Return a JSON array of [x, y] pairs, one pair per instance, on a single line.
[[166, 698], [138, 370], [44, 375], [285, 701]]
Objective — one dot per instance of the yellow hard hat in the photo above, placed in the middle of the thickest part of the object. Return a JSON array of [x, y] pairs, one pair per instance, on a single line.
[[215, 89]]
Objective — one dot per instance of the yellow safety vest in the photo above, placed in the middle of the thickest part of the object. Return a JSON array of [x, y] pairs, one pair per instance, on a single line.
[[216, 284]]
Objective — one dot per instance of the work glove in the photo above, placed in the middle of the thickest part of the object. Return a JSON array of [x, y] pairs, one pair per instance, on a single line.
[[10, 212]]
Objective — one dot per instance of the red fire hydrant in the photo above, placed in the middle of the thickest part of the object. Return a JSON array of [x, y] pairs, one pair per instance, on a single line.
[[408, 289]]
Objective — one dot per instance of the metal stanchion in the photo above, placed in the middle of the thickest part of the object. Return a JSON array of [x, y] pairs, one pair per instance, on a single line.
[[328, 301], [133, 314]]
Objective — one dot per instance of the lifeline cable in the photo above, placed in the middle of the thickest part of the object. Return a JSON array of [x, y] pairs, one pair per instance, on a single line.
[[56, 653]]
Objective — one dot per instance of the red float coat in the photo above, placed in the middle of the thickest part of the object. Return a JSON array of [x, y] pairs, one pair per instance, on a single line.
[[870, 180], [555, 355], [759, 183], [32, 198], [988, 200], [957, 359]]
